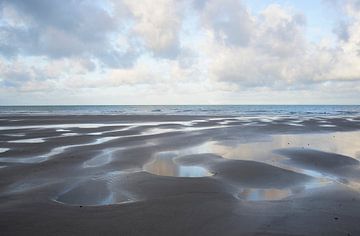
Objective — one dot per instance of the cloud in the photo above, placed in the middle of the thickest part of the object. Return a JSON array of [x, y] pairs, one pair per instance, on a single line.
[[18, 76], [61, 29], [277, 54], [218, 49], [270, 58], [158, 23], [346, 58], [229, 19], [41, 75]]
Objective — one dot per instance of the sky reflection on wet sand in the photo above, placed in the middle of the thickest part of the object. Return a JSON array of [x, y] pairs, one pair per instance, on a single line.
[[164, 163]]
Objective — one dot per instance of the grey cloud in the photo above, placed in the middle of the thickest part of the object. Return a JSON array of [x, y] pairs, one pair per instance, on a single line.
[[342, 30], [83, 19], [346, 10], [171, 51], [284, 39], [88, 64], [63, 28], [199, 4], [14, 78], [230, 20], [17, 75], [276, 55]]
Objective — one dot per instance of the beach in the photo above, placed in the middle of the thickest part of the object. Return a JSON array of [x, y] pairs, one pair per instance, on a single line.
[[179, 118], [165, 174]]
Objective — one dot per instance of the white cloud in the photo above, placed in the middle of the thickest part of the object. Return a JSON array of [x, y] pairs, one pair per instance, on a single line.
[[158, 23], [275, 48], [278, 56]]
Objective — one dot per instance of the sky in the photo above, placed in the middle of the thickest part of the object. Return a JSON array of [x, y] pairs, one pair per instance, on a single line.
[[85, 52]]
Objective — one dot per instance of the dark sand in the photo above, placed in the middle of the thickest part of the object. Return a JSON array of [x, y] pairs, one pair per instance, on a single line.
[[179, 175]]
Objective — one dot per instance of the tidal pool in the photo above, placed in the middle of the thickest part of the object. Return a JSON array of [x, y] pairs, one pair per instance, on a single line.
[[163, 164], [262, 150]]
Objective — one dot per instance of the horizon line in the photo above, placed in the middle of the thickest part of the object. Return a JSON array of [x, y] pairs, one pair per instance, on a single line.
[[275, 104]]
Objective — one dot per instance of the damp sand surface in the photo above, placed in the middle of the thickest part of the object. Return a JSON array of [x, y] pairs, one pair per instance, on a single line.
[[179, 175]]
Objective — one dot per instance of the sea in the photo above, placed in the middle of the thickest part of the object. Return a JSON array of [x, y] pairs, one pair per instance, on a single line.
[[203, 110]]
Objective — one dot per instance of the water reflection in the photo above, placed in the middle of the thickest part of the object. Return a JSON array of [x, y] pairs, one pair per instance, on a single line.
[[273, 194], [30, 140], [164, 165], [4, 150], [250, 194], [343, 143], [261, 150], [54, 152]]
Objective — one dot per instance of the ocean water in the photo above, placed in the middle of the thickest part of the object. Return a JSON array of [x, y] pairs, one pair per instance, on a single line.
[[211, 110]]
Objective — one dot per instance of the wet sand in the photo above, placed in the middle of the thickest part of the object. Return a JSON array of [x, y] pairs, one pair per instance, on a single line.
[[179, 175]]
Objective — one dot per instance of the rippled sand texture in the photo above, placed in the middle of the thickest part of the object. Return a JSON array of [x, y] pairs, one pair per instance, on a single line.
[[179, 175]]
